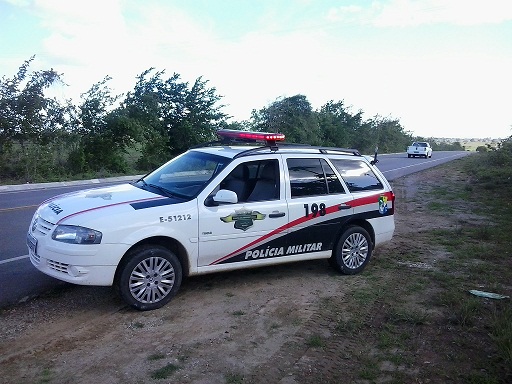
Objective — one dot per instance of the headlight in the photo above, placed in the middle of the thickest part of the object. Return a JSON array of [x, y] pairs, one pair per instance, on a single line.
[[76, 235]]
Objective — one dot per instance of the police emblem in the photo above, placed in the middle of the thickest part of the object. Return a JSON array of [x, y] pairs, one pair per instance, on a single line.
[[243, 218], [383, 204]]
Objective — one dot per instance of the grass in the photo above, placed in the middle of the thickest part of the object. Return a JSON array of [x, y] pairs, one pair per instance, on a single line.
[[315, 341], [46, 376], [234, 378], [137, 325], [409, 316], [501, 331], [438, 206], [164, 372], [156, 356]]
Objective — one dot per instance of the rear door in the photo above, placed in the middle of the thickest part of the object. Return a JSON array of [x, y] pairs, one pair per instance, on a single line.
[[318, 203]]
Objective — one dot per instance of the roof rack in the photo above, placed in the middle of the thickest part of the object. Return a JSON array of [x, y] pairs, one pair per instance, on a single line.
[[323, 150]]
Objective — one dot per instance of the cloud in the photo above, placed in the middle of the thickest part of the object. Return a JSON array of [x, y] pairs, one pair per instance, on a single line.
[[19, 3], [81, 32], [89, 40], [407, 13]]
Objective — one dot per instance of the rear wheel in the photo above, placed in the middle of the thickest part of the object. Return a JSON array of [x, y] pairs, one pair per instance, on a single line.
[[353, 251], [150, 277]]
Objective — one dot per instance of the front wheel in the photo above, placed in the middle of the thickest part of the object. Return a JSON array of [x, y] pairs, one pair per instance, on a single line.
[[353, 251], [149, 278]]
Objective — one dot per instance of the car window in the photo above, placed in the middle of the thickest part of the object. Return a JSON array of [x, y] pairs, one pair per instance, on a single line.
[[254, 181], [312, 177], [357, 175]]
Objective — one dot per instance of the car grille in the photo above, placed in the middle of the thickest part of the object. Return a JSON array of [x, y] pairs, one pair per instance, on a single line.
[[42, 226], [57, 266]]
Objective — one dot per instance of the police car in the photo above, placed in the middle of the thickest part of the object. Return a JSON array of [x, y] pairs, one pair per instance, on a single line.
[[218, 207]]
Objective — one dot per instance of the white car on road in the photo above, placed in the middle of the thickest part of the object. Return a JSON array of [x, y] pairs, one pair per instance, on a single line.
[[217, 207], [419, 148]]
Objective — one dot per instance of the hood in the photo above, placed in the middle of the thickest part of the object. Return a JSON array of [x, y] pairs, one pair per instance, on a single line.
[[125, 196]]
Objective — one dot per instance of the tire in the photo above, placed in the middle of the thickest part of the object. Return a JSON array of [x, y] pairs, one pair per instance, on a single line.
[[409, 156], [150, 277], [353, 251]]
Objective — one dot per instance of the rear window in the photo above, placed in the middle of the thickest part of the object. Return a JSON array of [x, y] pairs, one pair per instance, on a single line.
[[312, 177], [357, 175]]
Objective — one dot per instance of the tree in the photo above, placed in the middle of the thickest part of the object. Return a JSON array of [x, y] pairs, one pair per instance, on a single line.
[[292, 116], [29, 119], [170, 116], [389, 135], [199, 119], [338, 126], [105, 132]]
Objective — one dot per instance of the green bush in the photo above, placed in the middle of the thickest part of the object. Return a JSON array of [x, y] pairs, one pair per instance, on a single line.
[[493, 169]]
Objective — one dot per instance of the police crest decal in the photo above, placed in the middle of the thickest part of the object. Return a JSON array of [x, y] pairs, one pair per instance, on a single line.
[[383, 205]]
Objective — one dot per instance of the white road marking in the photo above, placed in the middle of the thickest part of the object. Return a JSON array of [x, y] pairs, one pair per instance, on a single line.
[[13, 259], [424, 162], [18, 208]]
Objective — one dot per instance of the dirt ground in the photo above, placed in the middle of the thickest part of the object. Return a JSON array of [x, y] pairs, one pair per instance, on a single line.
[[268, 325]]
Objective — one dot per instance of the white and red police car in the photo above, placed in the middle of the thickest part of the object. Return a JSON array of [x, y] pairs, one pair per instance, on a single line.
[[218, 207]]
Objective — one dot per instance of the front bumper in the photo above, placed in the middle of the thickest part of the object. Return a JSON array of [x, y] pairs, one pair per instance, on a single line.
[[73, 263]]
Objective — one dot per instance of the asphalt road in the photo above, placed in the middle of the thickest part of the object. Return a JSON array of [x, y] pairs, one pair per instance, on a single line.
[[19, 280]]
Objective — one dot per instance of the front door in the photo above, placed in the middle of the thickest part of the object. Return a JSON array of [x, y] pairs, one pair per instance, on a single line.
[[252, 229]]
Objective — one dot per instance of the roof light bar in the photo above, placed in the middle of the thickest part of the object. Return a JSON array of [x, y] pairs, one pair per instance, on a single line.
[[268, 137]]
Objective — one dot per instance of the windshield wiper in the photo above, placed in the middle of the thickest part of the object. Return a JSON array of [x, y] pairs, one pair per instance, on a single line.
[[161, 189], [164, 190]]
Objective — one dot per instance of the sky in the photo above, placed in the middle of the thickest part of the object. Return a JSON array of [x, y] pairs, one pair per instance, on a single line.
[[443, 68]]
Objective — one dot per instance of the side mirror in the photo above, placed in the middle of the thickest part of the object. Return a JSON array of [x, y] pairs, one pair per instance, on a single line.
[[225, 196]]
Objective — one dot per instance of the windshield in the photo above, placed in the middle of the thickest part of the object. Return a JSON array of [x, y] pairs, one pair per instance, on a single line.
[[184, 176]]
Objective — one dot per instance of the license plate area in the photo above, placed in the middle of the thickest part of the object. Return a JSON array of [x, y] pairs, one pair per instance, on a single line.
[[32, 243]]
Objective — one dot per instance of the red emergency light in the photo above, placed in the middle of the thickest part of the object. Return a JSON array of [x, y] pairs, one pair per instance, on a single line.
[[269, 138]]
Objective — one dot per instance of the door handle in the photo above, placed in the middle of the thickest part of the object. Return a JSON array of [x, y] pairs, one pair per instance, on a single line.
[[276, 214], [343, 206]]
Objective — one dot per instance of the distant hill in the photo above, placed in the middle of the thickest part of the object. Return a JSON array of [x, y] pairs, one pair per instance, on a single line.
[[470, 144]]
